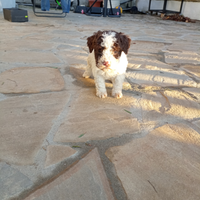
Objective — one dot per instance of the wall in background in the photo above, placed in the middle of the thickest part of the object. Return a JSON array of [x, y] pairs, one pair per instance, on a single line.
[[190, 9]]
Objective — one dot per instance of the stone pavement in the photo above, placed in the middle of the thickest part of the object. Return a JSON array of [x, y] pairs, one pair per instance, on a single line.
[[59, 141]]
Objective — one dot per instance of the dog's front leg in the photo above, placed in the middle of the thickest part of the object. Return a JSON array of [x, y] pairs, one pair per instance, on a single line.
[[100, 86], [117, 86]]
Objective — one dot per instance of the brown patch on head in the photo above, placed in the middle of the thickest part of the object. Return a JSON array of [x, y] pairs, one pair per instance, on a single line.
[[123, 42], [94, 43]]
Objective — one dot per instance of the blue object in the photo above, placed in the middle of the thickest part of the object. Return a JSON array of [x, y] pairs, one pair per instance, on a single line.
[[45, 5], [65, 4]]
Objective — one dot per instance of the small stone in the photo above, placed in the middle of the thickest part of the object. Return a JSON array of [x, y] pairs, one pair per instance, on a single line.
[[162, 15]]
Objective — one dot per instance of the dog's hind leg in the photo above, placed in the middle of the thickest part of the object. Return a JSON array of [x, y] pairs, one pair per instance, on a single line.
[[88, 71]]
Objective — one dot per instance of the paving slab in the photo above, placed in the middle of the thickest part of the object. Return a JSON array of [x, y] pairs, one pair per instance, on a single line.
[[163, 105], [85, 180], [28, 57], [12, 181], [150, 64], [25, 122], [197, 123], [193, 69], [161, 78], [194, 92], [77, 56], [31, 80], [25, 44], [97, 118], [146, 61], [147, 46], [182, 57], [178, 46], [62, 152], [162, 165], [40, 37]]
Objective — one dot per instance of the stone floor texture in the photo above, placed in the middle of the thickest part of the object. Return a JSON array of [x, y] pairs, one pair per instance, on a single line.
[[58, 141]]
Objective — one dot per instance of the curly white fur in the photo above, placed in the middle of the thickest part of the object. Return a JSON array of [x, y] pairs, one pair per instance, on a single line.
[[115, 72]]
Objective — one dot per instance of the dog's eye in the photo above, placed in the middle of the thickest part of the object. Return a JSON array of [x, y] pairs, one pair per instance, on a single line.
[[100, 50], [116, 52]]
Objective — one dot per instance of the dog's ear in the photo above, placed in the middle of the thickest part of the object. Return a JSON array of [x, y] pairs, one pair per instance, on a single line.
[[124, 42], [94, 40]]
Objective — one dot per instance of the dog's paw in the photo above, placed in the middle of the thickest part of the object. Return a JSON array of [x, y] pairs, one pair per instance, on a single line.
[[117, 95], [86, 75], [101, 94]]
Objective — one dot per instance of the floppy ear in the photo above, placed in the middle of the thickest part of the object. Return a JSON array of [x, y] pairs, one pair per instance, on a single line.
[[124, 42], [92, 41]]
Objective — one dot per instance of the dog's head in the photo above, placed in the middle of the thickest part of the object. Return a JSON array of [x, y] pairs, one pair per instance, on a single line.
[[108, 47]]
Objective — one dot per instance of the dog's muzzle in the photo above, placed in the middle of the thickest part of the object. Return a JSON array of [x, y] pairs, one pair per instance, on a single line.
[[106, 63], [105, 66]]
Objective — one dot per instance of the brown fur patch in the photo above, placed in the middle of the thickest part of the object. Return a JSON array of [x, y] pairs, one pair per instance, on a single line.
[[94, 41], [124, 42]]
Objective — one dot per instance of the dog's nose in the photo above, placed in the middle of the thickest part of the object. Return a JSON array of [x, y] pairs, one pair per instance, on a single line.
[[106, 63]]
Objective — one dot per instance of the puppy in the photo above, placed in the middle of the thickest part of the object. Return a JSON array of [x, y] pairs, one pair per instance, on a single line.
[[107, 61]]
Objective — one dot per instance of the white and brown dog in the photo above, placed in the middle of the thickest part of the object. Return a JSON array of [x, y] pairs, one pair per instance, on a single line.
[[107, 60]]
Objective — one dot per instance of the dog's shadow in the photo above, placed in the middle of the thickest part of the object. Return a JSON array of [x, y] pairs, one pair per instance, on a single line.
[[77, 74]]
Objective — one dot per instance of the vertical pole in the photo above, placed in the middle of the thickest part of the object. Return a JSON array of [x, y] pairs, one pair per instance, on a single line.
[[164, 6], [149, 4], [105, 8], [181, 6]]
